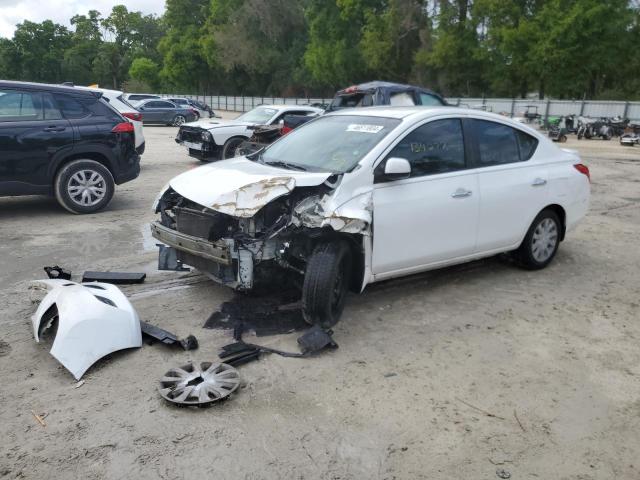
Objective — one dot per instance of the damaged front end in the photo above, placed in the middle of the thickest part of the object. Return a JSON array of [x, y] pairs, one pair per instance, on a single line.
[[248, 234]]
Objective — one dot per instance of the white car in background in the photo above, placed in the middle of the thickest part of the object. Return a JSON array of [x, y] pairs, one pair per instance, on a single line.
[[216, 138], [364, 195], [118, 101]]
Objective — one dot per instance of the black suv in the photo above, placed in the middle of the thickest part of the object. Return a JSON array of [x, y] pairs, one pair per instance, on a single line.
[[66, 142]]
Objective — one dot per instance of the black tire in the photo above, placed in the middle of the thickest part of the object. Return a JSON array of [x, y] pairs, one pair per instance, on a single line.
[[526, 255], [563, 139], [68, 193], [326, 282], [230, 147]]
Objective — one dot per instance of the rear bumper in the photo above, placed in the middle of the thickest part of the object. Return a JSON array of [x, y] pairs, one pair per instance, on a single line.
[[128, 170]]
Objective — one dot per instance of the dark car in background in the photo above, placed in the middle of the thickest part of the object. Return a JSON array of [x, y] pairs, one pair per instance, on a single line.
[[376, 93], [164, 112], [203, 110], [65, 142]]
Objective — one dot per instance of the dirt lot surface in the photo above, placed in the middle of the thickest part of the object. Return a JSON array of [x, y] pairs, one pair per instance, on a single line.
[[472, 372]]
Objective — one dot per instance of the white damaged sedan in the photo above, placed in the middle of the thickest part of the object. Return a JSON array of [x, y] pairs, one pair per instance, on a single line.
[[359, 196]]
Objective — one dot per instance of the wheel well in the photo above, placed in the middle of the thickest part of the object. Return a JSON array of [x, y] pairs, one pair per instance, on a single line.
[[562, 215], [101, 159]]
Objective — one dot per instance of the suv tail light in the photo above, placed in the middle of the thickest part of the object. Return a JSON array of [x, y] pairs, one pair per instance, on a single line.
[[133, 116], [583, 169], [124, 127]]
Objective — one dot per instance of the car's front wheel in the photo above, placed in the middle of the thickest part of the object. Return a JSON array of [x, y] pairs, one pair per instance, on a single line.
[[326, 282], [541, 242], [84, 186], [231, 146]]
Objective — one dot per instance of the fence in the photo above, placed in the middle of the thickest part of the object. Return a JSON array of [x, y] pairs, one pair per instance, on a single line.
[[512, 107]]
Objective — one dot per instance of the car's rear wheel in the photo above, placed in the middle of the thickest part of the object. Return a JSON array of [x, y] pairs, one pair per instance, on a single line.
[[84, 186], [326, 282], [231, 146], [178, 120], [541, 242]]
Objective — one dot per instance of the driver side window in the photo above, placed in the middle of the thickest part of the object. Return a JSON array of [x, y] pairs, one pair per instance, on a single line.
[[435, 147]]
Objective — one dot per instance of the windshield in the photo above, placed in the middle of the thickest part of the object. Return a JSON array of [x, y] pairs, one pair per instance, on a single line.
[[330, 144], [259, 115]]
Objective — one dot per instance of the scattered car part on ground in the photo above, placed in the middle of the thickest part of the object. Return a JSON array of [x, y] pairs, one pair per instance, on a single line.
[[168, 259], [116, 278], [92, 320], [312, 341], [168, 338], [214, 139], [305, 205], [199, 384], [58, 272], [79, 147]]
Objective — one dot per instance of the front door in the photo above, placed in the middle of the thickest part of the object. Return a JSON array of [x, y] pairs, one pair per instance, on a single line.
[[430, 217]]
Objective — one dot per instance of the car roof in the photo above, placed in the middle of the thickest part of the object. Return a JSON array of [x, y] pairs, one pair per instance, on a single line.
[[423, 112], [105, 91], [48, 87], [379, 84], [290, 107]]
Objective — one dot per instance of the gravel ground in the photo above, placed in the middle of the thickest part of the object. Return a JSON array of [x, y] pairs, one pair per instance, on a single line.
[[470, 372]]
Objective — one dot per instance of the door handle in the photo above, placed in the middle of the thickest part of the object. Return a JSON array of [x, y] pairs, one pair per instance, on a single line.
[[538, 182], [461, 193], [55, 129]]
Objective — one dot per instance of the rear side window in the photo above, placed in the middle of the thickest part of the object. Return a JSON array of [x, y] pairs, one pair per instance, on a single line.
[[435, 147], [355, 100], [401, 99], [19, 106], [50, 109], [158, 104], [527, 144], [71, 107], [497, 143]]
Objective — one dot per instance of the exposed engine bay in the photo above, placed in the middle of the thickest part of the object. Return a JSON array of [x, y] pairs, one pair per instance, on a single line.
[[258, 240]]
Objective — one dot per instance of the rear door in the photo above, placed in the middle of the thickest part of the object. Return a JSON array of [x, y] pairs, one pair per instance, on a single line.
[[513, 186], [32, 132]]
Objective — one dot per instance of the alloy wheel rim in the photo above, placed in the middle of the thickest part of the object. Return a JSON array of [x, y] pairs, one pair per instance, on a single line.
[[87, 188], [544, 240], [179, 120]]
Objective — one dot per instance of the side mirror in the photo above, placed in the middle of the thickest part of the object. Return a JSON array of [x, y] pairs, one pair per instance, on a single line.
[[281, 123], [397, 168]]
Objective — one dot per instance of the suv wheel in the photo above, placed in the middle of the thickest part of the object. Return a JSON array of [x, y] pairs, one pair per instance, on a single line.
[[84, 186], [326, 282], [541, 242]]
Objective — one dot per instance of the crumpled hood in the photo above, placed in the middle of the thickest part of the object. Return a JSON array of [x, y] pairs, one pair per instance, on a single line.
[[240, 187], [209, 123]]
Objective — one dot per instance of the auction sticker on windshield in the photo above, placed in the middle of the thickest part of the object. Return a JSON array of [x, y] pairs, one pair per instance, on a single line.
[[356, 127]]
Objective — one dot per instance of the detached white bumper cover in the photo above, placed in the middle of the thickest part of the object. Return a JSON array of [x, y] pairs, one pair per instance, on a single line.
[[94, 319]]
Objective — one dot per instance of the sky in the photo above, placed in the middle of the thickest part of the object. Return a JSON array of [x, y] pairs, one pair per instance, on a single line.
[[60, 11]]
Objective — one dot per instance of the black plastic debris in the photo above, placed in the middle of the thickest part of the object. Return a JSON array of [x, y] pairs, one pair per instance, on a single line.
[[168, 259], [312, 341], [116, 278], [316, 339], [168, 338], [58, 272]]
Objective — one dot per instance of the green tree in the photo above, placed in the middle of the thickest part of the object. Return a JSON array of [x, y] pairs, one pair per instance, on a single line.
[[145, 71], [85, 44]]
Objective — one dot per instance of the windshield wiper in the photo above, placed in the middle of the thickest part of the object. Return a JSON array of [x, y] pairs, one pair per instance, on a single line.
[[290, 166]]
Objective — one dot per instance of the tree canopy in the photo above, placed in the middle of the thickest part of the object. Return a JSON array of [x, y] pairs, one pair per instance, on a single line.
[[557, 48]]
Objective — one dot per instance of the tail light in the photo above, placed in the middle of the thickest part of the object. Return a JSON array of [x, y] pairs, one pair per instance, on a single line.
[[133, 116], [583, 169], [194, 111], [124, 127]]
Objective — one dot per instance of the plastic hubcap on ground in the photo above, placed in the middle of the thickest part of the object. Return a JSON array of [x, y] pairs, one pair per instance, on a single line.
[[199, 384], [87, 188], [545, 238]]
